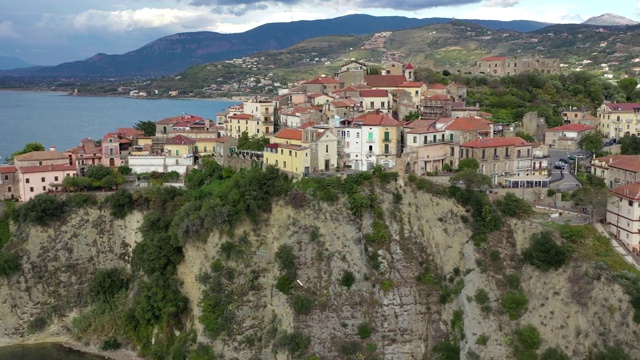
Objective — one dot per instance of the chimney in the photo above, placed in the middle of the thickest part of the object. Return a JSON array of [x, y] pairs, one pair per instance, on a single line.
[[52, 148], [491, 130]]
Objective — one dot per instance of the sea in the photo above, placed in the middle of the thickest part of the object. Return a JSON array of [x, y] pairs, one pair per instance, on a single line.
[[55, 118], [46, 351]]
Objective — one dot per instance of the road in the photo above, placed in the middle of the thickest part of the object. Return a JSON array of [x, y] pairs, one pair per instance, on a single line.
[[570, 182]]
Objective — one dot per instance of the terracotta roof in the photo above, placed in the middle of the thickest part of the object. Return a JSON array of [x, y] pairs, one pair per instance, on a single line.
[[7, 169], [495, 142], [494, 58], [385, 80], [572, 127], [175, 119], [412, 84], [629, 163], [629, 191], [308, 124], [180, 140], [344, 103], [469, 123], [423, 130], [315, 95], [220, 139], [46, 168], [623, 106], [418, 123], [439, 97], [299, 110], [40, 155], [291, 134], [454, 84], [374, 119], [241, 116], [374, 93], [129, 132], [409, 66], [437, 86], [323, 80]]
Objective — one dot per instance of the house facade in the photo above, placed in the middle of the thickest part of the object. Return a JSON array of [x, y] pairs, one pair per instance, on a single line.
[[500, 158], [382, 135], [619, 119], [567, 137], [9, 183], [623, 215], [617, 170]]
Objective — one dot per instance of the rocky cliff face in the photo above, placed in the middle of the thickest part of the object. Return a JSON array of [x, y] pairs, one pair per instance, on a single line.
[[423, 291]]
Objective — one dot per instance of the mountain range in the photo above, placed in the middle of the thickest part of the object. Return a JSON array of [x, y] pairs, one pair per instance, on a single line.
[[175, 53]]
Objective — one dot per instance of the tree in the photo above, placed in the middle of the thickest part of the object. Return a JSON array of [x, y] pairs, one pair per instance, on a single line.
[[594, 199], [98, 172], [628, 86], [124, 170], [255, 142], [592, 142], [471, 179], [630, 145], [525, 136], [32, 146], [513, 206], [544, 253], [468, 163], [148, 127], [414, 115]]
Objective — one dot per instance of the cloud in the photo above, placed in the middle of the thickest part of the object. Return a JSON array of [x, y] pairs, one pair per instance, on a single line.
[[242, 6], [500, 3], [135, 19], [7, 31]]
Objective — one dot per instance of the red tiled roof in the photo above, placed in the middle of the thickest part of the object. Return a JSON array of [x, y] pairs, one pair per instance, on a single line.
[[629, 163], [385, 80], [181, 124], [291, 134], [308, 124], [374, 119], [494, 58], [423, 129], [469, 123], [315, 95], [418, 123], [572, 127], [409, 66], [439, 97], [344, 103], [629, 191], [323, 80], [374, 93], [180, 140], [623, 106], [495, 142], [454, 84], [7, 169], [46, 168], [437, 86], [40, 155], [175, 119], [129, 132]]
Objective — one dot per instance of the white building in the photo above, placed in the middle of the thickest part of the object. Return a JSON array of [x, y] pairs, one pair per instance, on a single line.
[[163, 164], [623, 215], [353, 148]]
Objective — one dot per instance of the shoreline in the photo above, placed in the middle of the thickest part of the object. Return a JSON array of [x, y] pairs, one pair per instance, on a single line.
[[120, 354]]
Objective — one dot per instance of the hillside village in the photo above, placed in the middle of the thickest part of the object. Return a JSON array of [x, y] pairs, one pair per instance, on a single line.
[[348, 122]]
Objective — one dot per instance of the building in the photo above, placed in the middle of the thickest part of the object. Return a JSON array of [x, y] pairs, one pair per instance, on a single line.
[[375, 100], [503, 65], [623, 215], [428, 147], [382, 137], [505, 160], [619, 119], [88, 153], [322, 84], [9, 184], [567, 137], [435, 107], [617, 170], [141, 164], [42, 172], [580, 117]]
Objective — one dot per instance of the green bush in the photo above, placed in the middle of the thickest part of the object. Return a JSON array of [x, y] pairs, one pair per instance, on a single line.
[[554, 353], [544, 253], [513, 206], [482, 297], [528, 337], [285, 283], [9, 263], [364, 330], [551, 192], [107, 283], [286, 258], [515, 304], [37, 324], [302, 304], [81, 200], [446, 350], [573, 233], [513, 281], [202, 352], [610, 353], [110, 343], [482, 340], [295, 343], [121, 203], [43, 209], [386, 285], [348, 279]]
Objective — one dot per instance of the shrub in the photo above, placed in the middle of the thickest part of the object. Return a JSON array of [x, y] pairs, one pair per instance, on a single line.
[[554, 353], [107, 283], [81, 200], [551, 192], [515, 304], [9, 263], [302, 304], [573, 233], [121, 203], [110, 343], [348, 279], [610, 353], [42, 209], [349, 348], [544, 253], [482, 340], [285, 283], [364, 330], [294, 343], [37, 324], [286, 258], [202, 352], [447, 350], [513, 206], [528, 337], [481, 297], [513, 281], [386, 285]]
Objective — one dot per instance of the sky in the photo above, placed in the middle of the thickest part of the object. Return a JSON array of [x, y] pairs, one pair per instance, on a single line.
[[49, 32]]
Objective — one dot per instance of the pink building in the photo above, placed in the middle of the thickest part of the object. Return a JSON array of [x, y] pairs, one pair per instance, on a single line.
[[40, 179]]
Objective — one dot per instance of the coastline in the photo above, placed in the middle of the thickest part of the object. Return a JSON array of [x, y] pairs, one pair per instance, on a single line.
[[67, 342]]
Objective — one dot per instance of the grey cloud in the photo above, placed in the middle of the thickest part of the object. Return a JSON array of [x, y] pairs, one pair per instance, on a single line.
[[383, 4], [500, 3]]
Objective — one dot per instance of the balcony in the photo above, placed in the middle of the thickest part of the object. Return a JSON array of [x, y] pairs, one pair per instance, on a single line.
[[371, 141], [386, 140], [507, 156], [496, 157]]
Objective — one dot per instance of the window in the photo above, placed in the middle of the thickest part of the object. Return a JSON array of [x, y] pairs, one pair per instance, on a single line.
[[357, 135], [289, 152], [371, 105], [42, 179], [9, 189], [284, 164], [386, 136], [452, 151], [386, 148], [326, 148], [27, 181], [110, 151], [55, 179], [177, 152], [6, 177], [31, 189], [44, 188], [281, 152], [370, 135], [483, 156], [415, 139]]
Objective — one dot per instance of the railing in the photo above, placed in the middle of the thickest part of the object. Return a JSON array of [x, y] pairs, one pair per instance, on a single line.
[[496, 157], [507, 156]]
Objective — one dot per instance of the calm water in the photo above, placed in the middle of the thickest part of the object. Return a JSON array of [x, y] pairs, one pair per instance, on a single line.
[[53, 118], [43, 352]]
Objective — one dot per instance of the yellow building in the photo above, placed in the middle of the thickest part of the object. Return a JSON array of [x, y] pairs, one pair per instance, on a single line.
[[179, 146], [619, 119], [252, 125], [292, 159]]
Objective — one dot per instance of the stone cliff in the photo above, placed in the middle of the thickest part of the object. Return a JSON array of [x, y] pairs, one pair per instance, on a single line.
[[416, 290]]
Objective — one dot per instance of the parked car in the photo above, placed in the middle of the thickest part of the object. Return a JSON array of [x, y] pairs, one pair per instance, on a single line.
[[572, 157], [564, 161]]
